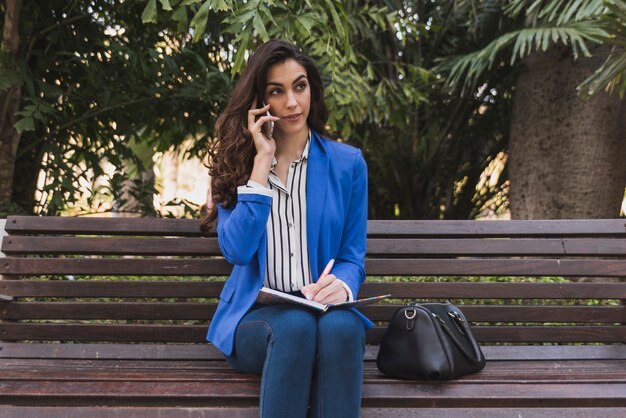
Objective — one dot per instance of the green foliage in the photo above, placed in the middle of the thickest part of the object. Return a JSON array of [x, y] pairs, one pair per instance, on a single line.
[[94, 77], [534, 25], [100, 74], [10, 208], [612, 74]]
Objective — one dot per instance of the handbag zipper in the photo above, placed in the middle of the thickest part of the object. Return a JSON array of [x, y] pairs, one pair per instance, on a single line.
[[442, 322], [458, 321]]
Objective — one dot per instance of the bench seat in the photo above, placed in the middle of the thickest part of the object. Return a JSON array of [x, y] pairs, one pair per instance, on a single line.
[[197, 376], [78, 340]]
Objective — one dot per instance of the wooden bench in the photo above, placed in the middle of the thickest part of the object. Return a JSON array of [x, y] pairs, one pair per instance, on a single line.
[[77, 340]]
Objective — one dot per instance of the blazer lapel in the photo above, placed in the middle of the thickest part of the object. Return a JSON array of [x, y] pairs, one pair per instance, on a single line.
[[317, 181]]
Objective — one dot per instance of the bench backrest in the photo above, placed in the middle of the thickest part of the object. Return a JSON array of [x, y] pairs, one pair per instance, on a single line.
[[158, 280]]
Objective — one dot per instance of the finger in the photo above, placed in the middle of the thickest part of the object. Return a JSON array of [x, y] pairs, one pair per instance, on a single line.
[[314, 288], [335, 298], [326, 280], [339, 296], [334, 293], [253, 112], [307, 291], [322, 284], [254, 124], [260, 110]]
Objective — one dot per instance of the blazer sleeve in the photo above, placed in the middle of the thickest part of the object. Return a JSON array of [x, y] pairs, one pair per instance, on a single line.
[[240, 229], [350, 262]]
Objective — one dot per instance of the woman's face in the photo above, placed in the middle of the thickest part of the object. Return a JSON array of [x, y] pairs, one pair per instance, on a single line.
[[289, 95]]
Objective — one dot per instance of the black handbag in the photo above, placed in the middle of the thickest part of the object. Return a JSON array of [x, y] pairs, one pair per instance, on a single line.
[[429, 341]]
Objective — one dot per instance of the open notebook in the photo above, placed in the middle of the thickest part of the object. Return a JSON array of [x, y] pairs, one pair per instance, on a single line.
[[269, 296]]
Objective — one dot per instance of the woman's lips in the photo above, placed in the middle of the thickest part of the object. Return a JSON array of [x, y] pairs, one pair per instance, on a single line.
[[292, 118]]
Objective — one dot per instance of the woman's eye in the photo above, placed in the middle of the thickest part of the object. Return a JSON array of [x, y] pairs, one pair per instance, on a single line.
[[302, 86]]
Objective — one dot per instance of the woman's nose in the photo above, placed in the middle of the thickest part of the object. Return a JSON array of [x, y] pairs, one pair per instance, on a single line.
[[291, 100]]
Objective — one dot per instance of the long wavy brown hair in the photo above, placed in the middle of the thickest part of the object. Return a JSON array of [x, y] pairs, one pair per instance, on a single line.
[[231, 155]]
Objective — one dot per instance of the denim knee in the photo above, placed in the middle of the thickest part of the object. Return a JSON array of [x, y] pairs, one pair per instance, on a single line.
[[343, 327], [251, 342], [298, 326]]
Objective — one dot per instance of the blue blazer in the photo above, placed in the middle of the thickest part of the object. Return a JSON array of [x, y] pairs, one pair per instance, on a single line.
[[336, 228]]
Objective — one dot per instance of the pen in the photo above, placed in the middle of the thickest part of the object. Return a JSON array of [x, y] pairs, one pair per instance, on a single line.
[[327, 269]]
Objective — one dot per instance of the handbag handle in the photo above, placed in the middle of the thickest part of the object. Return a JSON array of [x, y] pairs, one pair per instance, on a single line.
[[473, 358]]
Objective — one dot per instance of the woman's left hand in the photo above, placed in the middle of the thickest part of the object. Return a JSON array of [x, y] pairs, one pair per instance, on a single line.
[[328, 289]]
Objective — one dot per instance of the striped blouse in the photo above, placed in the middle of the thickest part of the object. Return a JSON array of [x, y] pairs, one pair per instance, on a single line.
[[287, 265]]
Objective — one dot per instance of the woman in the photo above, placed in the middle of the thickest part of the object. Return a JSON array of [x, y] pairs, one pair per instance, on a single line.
[[287, 202]]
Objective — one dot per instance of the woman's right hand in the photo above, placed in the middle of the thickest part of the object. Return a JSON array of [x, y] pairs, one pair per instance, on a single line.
[[264, 146]]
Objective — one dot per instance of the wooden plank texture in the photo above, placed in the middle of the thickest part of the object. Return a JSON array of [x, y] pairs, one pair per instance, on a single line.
[[567, 247], [395, 267], [375, 394], [82, 355], [407, 290], [253, 412], [101, 225], [379, 312], [495, 228], [467, 247], [197, 333], [448, 228], [546, 372], [38, 245], [207, 352], [114, 266]]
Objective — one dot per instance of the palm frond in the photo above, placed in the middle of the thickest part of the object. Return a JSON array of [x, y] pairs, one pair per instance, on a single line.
[[560, 12], [612, 74], [466, 69]]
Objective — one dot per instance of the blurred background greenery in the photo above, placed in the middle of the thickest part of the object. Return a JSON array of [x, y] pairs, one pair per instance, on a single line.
[[464, 109]]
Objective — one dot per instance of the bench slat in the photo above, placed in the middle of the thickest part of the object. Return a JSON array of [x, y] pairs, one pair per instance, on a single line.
[[454, 267], [381, 393], [115, 267], [523, 313], [16, 245], [197, 333], [474, 290], [497, 267], [567, 247], [203, 351], [380, 312], [448, 228], [253, 412], [598, 371], [588, 371], [111, 289], [101, 225], [467, 247], [535, 334], [495, 228], [408, 290]]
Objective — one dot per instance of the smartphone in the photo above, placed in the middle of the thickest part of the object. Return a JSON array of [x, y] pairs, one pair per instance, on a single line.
[[268, 127]]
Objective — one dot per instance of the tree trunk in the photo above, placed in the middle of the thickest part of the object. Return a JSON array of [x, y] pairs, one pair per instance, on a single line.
[[9, 101], [27, 169], [567, 154]]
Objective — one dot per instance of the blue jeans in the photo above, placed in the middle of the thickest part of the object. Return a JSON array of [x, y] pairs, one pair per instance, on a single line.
[[303, 357]]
